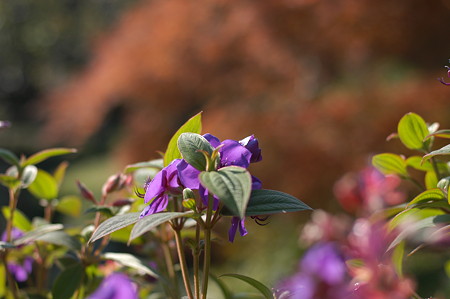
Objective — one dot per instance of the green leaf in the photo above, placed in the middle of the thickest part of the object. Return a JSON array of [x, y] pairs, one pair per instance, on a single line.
[[414, 214], [69, 205], [29, 174], [431, 180], [20, 221], [254, 283], [68, 282], [149, 222], [412, 131], [191, 146], [388, 163], [44, 186], [36, 233], [193, 125], [225, 291], [416, 162], [6, 245], [60, 238], [440, 134], [45, 154], [440, 152], [397, 258], [9, 157], [2, 280], [428, 195], [131, 261], [158, 164], [114, 223], [60, 172], [108, 211], [232, 185], [264, 202], [10, 182]]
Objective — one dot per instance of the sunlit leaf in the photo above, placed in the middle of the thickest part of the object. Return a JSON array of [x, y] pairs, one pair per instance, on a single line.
[[20, 221], [131, 261], [149, 222], [191, 146], [416, 162], [232, 185], [158, 164], [69, 205], [8, 181], [440, 152], [431, 180], [193, 125], [45, 154], [412, 131], [427, 195], [267, 293], [114, 223], [441, 134], [2, 280], [44, 186], [397, 258], [60, 172], [68, 282], [388, 163]]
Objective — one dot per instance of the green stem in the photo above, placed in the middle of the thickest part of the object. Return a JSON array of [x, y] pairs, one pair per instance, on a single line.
[[207, 255], [435, 168], [196, 261], [182, 258]]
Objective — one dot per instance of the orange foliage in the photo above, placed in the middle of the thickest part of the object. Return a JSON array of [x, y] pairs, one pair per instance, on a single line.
[[268, 67]]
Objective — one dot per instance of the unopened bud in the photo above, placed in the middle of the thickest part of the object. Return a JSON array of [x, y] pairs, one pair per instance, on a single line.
[[188, 194], [114, 183], [443, 184], [85, 192], [189, 204], [122, 202]]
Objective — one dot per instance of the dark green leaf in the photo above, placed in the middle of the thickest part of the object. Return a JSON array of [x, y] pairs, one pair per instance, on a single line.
[[440, 152], [254, 283], [9, 157], [190, 146], [428, 195], [131, 261], [20, 221], [45, 154], [68, 282], [158, 164], [412, 131], [225, 291], [105, 210], [6, 245], [264, 202], [44, 186], [388, 163], [37, 232], [193, 125], [60, 238], [149, 222], [114, 223], [232, 185]]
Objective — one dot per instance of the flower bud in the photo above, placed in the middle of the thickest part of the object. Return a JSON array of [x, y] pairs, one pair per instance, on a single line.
[[85, 192], [443, 184], [114, 183], [188, 194]]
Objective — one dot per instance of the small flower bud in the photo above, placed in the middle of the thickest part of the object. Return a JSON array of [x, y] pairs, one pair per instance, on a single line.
[[188, 194], [85, 192], [443, 184], [189, 204], [122, 202], [114, 183]]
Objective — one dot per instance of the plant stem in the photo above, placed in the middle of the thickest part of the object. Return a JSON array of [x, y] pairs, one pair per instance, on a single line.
[[435, 168], [168, 261], [196, 261], [182, 258], [207, 254]]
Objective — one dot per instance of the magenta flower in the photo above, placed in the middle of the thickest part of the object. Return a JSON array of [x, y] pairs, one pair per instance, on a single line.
[[157, 190], [115, 286]]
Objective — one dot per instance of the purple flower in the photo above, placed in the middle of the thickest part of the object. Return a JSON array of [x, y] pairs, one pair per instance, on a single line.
[[165, 182], [21, 271], [115, 286], [442, 79], [322, 275], [15, 234]]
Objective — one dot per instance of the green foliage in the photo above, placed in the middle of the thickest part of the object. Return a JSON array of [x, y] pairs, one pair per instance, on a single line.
[[45, 154], [265, 291], [388, 163], [68, 281], [131, 261], [114, 223], [264, 202], [232, 185], [193, 125], [44, 186], [193, 148], [20, 221], [412, 131]]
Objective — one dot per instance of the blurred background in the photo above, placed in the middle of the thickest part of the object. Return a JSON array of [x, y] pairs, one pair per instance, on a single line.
[[320, 83]]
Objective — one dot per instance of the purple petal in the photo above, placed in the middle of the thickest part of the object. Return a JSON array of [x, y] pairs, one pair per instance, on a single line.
[[256, 183], [236, 223], [233, 153], [156, 187], [323, 261], [18, 271], [188, 175], [213, 140], [115, 286], [157, 205], [252, 144], [172, 176], [204, 194]]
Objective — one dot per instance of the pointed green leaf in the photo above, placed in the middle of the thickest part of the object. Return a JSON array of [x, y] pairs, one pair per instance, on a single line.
[[114, 223], [397, 258], [431, 180], [440, 152], [20, 221], [225, 290], [412, 213], [149, 222], [8, 181], [158, 164], [416, 162], [412, 131], [190, 146], [60, 238], [267, 293], [440, 134], [388, 163], [37, 232], [265, 202], [45, 154], [193, 125], [68, 282], [427, 195], [9, 157], [232, 185], [131, 261], [69, 205], [44, 186], [60, 172]]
